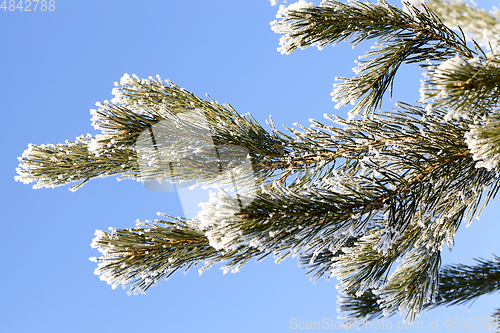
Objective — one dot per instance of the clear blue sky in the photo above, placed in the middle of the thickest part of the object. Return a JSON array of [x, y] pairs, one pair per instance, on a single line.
[[55, 65]]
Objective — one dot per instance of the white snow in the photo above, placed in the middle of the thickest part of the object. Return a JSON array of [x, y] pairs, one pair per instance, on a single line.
[[484, 150], [283, 27]]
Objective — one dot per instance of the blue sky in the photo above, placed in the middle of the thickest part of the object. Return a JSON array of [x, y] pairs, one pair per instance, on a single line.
[[55, 65]]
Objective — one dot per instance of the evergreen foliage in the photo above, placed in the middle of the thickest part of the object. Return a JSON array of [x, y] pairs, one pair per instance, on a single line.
[[349, 197]]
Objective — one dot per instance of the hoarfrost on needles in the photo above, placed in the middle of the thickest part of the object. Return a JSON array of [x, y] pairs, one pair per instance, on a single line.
[[442, 73], [283, 27], [484, 148]]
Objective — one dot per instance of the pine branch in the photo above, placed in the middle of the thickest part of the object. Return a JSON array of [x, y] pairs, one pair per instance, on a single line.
[[432, 204], [392, 184], [402, 38], [55, 165], [329, 211], [332, 198], [461, 283], [479, 24], [362, 267], [458, 284], [408, 153], [127, 124], [484, 142], [467, 88], [349, 201], [141, 257], [413, 284]]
